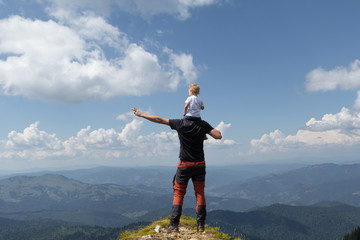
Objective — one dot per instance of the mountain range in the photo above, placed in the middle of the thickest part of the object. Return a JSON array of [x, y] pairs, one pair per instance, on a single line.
[[260, 205], [255, 185], [57, 197], [304, 186], [322, 221], [161, 176], [45, 229]]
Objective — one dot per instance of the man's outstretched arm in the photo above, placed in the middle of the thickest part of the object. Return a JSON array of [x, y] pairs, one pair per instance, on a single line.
[[152, 118]]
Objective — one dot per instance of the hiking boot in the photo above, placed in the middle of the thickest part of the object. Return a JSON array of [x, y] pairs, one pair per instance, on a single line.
[[200, 227], [171, 229]]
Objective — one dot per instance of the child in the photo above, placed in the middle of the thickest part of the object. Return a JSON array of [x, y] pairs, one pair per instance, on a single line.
[[193, 104]]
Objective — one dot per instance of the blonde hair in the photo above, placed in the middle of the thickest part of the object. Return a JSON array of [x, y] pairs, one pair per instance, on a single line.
[[194, 88]]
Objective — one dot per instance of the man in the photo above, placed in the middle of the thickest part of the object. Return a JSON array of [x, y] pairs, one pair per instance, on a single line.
[[191, 165]]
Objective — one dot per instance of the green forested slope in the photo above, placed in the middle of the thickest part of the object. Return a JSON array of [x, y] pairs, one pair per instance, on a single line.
[[283, 222], [46, 229]]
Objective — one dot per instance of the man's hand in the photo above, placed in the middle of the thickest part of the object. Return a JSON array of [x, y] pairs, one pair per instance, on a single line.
[[152, 118], [136, 111]]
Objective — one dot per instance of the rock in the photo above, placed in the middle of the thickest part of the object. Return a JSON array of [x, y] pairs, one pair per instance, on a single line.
[[157, 228], [185, 233]]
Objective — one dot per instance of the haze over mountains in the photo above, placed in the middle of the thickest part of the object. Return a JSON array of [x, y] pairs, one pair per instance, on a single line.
[[261, 184], [304, 186], [116, 197]]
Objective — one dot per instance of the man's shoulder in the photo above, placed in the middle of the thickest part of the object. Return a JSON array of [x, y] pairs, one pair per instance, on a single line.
[[205, 123], [189, 122], [179, 121], [182, 121], [174, 123], [175, 120]]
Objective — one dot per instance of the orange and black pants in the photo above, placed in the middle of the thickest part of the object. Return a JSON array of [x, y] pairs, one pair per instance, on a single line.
[[185, 171]]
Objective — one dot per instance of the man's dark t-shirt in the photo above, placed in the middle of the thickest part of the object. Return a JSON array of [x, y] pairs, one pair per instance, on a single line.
[[191, 136]]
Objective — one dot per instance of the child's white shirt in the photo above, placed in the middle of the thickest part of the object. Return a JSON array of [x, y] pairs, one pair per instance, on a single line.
[[195, 103]]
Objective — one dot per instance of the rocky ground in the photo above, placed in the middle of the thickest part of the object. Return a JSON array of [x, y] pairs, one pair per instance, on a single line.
[[185, 232]]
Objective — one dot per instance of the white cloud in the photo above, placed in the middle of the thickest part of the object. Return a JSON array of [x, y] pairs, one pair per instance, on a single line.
[[339, 77], [95, 146], [94, 27], [357, 101], [32, 143], [125, 117], [129, 116], [32, 137], [346, 121], [53, 62], [157, 145], [341, 129], [68, 9], [183, 62], [333, 134], [178, 8], [222, 127]]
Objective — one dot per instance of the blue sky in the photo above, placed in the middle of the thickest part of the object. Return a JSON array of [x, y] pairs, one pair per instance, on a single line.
[[280, 79]]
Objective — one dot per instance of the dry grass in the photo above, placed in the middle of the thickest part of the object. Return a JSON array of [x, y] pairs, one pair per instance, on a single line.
[[191, 222]]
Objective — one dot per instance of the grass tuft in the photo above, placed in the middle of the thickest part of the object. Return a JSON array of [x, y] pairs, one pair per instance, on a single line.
[[191, 222]]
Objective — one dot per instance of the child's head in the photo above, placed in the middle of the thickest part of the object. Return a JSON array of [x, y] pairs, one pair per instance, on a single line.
[[194, 89]]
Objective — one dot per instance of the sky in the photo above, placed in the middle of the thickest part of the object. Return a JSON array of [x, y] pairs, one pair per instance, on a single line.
[[280, 79]]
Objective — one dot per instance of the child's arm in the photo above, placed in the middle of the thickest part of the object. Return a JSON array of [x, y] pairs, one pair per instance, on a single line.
[[186, 108]]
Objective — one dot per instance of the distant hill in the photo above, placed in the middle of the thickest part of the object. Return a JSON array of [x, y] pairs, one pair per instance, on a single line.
[[304, 186], [109, 205], [323, 221], [253, 185], [45, 229], [161, 176], [57, 197]]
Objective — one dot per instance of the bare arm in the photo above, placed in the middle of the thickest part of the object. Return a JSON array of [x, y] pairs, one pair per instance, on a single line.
[[186, 108], [152, 118], [215, 134]]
